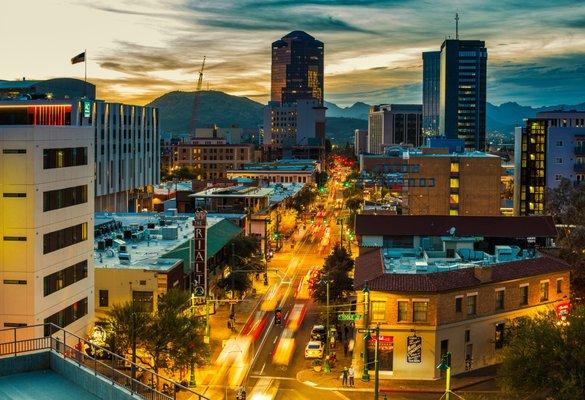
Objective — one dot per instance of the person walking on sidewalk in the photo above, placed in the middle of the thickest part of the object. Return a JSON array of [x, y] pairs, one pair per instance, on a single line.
[[344, 376], [351, 375]]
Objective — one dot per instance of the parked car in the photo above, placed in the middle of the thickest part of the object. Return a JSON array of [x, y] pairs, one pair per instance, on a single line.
[[319, 333], [314, 349]]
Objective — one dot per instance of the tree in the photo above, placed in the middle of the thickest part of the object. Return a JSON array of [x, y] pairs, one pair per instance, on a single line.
[[544, 360], [303, 199], [321, 178], [288, 222], [336, 270], [120, 322], [188, 348]]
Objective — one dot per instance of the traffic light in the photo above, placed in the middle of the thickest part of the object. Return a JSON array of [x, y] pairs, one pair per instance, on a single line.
[[278, 316]]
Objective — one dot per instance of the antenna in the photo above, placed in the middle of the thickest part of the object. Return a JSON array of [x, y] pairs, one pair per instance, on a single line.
[[456, 26]]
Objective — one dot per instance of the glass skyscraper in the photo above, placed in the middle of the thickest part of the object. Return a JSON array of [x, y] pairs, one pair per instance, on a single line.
[[463, 92], [431, 84], [297, 68]]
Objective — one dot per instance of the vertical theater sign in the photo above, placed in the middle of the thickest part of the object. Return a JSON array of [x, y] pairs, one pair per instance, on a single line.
[[199, 275]]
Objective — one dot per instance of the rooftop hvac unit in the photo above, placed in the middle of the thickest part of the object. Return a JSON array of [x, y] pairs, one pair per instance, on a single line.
[[170, 232], [101, 245], [124, 257]]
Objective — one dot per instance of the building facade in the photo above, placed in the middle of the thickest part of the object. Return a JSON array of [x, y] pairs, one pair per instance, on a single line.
[[431, 84], [297, 69], [282, 171], [360, 143], [47, 185], [432, 181], [394, 124], [292, 124], [212, 158], [549, 148], [450, 284], [462, 94]]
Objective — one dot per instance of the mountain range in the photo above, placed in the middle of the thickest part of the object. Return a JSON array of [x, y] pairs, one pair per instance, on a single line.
[[225, 110]]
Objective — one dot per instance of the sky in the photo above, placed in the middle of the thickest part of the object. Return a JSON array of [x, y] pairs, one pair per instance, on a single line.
[[140, 49]]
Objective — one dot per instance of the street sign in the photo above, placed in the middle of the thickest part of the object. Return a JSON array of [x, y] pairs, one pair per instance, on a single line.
[[349, 317], [199, 291], [200, 252], [413, 349]]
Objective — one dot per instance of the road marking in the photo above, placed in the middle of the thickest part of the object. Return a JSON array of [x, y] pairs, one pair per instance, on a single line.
[[276, 378], [310, 383], [262, 370], [275, 339], [344, 397]]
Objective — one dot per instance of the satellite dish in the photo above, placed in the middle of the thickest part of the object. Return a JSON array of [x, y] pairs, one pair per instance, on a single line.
[[452, 231]]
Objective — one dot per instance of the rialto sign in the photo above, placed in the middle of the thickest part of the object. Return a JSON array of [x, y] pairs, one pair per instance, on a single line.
[[200, 253]]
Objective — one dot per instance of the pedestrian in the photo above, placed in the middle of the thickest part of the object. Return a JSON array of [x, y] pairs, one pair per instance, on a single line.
[[345, 348], [351, 374], [344, 376]]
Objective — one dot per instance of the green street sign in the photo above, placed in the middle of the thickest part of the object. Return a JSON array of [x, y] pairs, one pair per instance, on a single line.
[[349, 317]]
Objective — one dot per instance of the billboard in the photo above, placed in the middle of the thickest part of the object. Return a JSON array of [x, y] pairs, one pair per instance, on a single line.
[[200, 253]]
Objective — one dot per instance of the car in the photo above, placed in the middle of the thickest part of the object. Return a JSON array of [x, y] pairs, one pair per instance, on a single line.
[[319, 333], [314, 349]]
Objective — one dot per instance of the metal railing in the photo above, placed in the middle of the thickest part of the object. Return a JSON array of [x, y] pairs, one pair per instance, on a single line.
[[98, 360]]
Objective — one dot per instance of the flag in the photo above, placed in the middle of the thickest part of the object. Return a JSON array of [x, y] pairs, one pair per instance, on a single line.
[[78, 58]]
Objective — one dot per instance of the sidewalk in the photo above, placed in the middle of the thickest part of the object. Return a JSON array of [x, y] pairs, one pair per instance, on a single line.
[[332, 381]]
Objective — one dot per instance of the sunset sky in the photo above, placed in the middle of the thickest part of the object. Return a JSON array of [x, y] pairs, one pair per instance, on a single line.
[[140, 49]]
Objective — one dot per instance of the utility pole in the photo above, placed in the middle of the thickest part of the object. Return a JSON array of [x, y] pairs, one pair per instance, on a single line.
[[377, 364]]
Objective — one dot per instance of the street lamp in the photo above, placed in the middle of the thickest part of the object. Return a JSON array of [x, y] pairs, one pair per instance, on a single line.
[[366, 292], [445, 365]]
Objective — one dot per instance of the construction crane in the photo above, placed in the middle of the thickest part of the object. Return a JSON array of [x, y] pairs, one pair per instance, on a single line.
[[195, 110]]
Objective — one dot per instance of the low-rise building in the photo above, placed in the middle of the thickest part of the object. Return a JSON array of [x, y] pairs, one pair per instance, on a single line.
[[394, 124], [141, 256], [438, 284], [211, 158], [435, 181], [281, 171]]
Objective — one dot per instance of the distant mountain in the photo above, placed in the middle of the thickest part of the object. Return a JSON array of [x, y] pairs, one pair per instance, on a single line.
[[224, 110], [358, 110], [215, 107]]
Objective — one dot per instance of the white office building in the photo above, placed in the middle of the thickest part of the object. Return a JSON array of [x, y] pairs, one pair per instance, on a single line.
[[46, 215], [296, 124]]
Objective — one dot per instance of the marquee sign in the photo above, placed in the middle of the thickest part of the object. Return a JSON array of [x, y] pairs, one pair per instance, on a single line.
[[200, 253]]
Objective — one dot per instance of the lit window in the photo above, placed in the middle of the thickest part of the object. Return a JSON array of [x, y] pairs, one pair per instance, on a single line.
[[454, 183], [544, 291], [454, 199], [420, 311], [378, 310], [454, 167], [453, 212]]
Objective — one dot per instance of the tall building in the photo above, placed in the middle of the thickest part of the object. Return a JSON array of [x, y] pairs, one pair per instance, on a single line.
[[292, 124], [297, 68], [431, 85], [127, 150], [360, 141], [127, 156], [548, 148], [394, 124], [46, 241], [462, 97]]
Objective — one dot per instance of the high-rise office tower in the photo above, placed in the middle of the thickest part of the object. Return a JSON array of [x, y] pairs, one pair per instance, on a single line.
[[463, 91], [431, 84], [394, 124], [297, 68]]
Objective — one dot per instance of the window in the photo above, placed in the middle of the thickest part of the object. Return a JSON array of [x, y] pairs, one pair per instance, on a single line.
[[14, 195], [524, 295], [453, 212], [500, 299], [558, 177], [453, 199], [402, 311], [544, 291], [420, 311], [559, 143], [454, 167], [499, 336], [61, 158], [65, 277], [454, 183], [558, 160], [459, 304], [560, 285], [471, 304], [61, 198], [104, 298], [62, 238], [15, 238], [67, 315], [144, 299], [378, 310], [14, 151]]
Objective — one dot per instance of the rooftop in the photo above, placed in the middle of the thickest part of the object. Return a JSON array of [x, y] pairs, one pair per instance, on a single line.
[[440, 225], [149, 241], [234, 191], [284, 165]]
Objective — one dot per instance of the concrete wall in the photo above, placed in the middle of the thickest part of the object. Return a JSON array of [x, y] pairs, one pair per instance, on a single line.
[[25, 363]]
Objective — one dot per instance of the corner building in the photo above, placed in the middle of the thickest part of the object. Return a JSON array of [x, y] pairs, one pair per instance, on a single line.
[[46, 219]]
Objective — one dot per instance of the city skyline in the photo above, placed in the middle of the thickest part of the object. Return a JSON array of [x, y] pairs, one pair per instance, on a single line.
[[373, 52]]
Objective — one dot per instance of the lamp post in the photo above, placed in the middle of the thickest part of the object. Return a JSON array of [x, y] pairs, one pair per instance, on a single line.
[[445, 365], [366, 292]]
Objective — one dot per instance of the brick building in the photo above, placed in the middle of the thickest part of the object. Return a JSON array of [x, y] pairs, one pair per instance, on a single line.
[[437, 182], [439, 284]]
